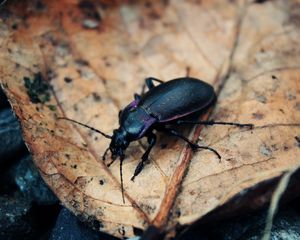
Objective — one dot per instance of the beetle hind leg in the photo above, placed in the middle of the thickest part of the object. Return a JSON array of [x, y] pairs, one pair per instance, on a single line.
[[194, 146], [212, 122], [140, 166]]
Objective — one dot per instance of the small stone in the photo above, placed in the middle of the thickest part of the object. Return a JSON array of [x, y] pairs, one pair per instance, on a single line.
[[90, 23]]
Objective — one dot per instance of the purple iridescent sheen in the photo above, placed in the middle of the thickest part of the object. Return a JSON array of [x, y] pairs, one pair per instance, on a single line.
[[148, 123], [133, 104]]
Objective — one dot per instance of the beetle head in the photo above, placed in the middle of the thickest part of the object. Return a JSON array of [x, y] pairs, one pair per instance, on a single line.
[[118, 143]]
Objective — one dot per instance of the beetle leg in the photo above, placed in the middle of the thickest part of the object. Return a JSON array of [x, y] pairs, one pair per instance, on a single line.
[[249, 125], [137, 97], [149, 83], [104, 154], [192, 145], [140, 166], [109, 164]]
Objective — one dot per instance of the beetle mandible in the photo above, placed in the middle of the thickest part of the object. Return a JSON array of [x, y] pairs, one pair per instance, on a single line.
[[167, 103]]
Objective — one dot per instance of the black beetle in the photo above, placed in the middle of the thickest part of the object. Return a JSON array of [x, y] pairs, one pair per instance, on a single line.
[[167, 103]]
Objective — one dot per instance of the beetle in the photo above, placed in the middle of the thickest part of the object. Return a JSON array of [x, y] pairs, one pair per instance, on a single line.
[[167, 103]]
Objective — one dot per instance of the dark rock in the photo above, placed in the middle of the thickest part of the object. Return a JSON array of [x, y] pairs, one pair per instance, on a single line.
[[21, 219], [69, 227], [12, 145], [24, 174], [30, 183], [3, 100], [7, 184], [15, 222], [286, 225]]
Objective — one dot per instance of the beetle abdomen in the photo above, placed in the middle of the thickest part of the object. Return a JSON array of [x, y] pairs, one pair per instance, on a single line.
[[177, 98]]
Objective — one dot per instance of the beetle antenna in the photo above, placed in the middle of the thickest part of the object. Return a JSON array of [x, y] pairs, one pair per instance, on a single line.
[[121, 176], [84, 125]]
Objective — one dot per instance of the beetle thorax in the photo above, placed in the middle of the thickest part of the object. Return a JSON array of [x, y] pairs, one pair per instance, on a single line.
[[136, 121]]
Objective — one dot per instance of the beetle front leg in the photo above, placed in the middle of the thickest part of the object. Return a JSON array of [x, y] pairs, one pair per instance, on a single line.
[[140, 166], [104, 154]]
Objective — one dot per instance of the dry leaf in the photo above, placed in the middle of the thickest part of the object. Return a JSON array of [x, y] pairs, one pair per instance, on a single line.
[[96, 55]]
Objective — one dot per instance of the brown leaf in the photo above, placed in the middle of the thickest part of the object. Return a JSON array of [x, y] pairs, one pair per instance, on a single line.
[[96, 55]]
